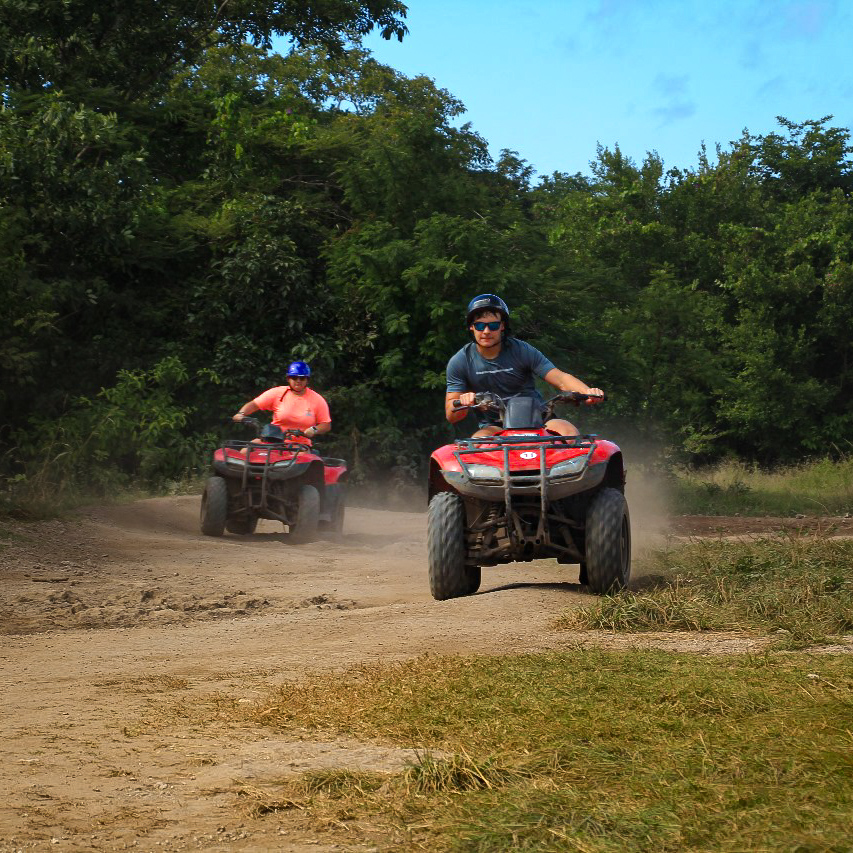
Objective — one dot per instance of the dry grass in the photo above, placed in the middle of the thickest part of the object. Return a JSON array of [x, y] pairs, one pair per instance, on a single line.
[[454, 774], [821, 487], [796, 587], [591, 750]]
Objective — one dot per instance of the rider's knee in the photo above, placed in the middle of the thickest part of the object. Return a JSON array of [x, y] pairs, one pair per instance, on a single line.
[[486, 431], [562, 427]]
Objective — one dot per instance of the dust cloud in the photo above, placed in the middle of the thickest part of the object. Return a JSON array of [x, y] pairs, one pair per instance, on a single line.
[[648, 503]]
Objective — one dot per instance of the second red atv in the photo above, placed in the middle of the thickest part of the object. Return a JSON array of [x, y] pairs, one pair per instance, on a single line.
[[277, 478], [523, 494]]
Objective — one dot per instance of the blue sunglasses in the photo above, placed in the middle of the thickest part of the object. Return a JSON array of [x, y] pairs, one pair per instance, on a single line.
[[493, 326]]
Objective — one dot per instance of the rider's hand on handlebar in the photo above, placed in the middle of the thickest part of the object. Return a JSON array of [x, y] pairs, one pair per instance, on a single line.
[[596, 395], [469, 398], [243, 418]]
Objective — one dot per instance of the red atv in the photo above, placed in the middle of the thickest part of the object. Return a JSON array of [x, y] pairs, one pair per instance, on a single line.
[[276, 478], [523, 494]]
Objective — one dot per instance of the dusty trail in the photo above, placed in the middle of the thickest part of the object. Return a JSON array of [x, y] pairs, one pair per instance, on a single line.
[[118, 612]]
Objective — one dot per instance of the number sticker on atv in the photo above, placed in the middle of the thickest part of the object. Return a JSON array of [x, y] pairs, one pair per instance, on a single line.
[[529, 454]]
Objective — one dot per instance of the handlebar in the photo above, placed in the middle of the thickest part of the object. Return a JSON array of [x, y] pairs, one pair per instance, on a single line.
[[254, 422], [482, 400], [576, 397], [485, 400]]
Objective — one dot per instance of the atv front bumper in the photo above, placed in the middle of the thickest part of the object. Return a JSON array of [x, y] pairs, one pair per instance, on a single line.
[[519, 483], [502, 478]]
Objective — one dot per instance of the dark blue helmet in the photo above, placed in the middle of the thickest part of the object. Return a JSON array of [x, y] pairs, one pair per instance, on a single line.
[[486, 302], [298, 368]]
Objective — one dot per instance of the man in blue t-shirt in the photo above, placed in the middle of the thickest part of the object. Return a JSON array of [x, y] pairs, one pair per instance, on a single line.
[[497, 362]]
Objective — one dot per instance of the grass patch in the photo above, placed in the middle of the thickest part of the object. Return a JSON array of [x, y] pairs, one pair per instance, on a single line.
[[591, 750], [41, 501], [797, 586], [454, 774], [314, 788], [823, 487]]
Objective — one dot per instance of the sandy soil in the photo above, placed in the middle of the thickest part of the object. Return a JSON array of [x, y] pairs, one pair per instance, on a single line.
[[107, 617]]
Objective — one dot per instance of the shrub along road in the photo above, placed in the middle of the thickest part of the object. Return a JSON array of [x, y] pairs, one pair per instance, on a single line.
[[121, 620]]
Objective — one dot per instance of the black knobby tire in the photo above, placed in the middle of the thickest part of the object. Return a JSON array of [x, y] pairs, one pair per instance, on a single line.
[[304, 528], [214, 507], [336, 501], [449, 577], [336, 525], [608, 542], [242, 526], [473, 575]]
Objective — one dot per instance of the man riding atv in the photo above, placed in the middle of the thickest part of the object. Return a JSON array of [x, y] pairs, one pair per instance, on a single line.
[[526, 485], [500, 363]]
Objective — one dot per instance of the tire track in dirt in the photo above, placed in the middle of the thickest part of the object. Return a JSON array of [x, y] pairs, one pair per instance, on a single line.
[[118, 612]]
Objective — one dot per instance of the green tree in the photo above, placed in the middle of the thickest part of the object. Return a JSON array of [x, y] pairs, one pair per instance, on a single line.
[[131, 48]]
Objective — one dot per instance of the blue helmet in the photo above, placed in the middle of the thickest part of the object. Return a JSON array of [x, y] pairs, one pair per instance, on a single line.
[[486, 302], [298, 368]]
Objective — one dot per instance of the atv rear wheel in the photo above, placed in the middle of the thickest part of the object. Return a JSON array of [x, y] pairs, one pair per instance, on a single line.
[[336, 498], [304, 529], [336, 525], [449, 577], [243, 525], [608, 542], [214, 507]]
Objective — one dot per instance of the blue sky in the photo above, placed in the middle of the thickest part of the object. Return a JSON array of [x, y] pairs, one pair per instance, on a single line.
[[553, 78]]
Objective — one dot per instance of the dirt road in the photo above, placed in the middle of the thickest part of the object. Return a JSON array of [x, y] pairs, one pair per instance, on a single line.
[[108, 617]]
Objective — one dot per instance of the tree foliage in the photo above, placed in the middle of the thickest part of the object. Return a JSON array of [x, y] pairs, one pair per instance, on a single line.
[[183, 211]]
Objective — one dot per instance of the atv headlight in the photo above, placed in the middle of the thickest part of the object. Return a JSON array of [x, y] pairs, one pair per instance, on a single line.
[[237, 463], [484, 472], [570, 466]]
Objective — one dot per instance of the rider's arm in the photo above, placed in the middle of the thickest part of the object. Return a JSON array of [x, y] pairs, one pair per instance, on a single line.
[[322, 416], [318, 429], [566, 382], [245, 410], [458, 383], [465, 397]]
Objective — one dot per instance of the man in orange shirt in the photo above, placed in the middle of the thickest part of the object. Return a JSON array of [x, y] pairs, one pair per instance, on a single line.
[[294, 406]]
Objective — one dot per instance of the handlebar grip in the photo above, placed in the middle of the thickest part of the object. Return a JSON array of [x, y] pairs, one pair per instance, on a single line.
[[458, 405]]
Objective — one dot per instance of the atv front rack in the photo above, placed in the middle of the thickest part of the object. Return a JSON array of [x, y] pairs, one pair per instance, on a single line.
[[548, 441], [529, 478], [261, 470]]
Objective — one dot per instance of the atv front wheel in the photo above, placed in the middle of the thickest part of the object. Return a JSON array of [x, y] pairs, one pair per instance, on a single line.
[[304, 529], [608, 542], [214, 507], [242, 526], [449, 577], [473, 576]]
